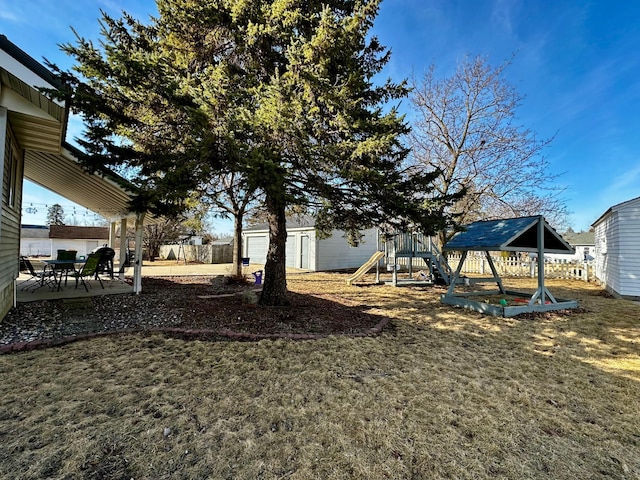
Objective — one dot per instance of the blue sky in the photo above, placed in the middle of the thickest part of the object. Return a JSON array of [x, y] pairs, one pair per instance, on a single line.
[[576, 62]]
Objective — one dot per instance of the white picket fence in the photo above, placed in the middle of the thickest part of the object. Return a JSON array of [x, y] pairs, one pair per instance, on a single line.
[[514, 267]]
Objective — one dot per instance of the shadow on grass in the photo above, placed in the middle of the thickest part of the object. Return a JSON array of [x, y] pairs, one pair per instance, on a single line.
[[452, 394], [603, 332]]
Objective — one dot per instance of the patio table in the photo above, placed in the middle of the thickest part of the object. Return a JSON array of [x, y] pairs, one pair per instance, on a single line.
[[63, 266]]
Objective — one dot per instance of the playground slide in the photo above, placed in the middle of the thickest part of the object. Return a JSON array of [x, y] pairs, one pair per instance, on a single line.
[[365, 268]]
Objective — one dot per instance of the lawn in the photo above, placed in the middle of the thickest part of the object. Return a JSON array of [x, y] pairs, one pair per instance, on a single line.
[[441, 393]]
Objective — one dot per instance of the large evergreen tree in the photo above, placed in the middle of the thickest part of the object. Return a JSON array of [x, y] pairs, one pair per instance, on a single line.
[[55, 215], [279, 91]]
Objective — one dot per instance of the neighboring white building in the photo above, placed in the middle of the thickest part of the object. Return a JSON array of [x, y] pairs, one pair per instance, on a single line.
[[584, 244], [81, 239], [34, 241], [305, 250], [617, 249], [45, 241]]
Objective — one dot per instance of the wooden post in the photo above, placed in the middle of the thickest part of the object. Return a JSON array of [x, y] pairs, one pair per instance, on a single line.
[[112, 234], [456, 274], [494, 271], [541, 288], [412, 249], [124, 247], [394, 275], [137, 268]]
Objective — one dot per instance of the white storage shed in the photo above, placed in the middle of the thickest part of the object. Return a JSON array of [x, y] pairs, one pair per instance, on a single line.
[[306, 251], [617, 249]]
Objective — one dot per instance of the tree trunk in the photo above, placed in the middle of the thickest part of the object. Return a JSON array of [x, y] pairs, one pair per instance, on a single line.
[[441, 239], [274, 291], [237, 244]]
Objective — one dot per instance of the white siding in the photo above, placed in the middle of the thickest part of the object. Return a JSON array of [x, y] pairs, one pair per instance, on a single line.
[[32, 247], [629, 249], [335, 253], [607, 244], [601, 251], [618, 249], [83, 247], [49, 247], [579, 256]]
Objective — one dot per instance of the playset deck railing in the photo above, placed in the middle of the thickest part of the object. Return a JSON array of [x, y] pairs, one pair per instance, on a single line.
[[414, 250]]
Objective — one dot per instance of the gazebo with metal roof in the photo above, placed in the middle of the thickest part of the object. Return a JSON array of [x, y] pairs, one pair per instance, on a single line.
[[525, 234]]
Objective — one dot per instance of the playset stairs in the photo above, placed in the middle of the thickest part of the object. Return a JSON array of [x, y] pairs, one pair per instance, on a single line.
[[417, 245]]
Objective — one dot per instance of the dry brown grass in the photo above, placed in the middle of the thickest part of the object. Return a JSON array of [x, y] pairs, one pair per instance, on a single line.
[[443, 393]]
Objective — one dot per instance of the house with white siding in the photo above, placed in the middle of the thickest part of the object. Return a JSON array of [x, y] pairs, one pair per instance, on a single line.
[[32, 143], [617, 249], [583, 243], [306, 250], [27, 120]]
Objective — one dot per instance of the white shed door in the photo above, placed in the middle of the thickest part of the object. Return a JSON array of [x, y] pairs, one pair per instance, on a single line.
[[291, 251], [304, 252], [257, 249]]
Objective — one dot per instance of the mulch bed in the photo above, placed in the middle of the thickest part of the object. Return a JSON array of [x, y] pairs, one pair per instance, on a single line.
[[230, 307], [188, 307]]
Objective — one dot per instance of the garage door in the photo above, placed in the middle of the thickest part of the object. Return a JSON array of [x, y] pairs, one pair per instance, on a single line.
[[257, 249]]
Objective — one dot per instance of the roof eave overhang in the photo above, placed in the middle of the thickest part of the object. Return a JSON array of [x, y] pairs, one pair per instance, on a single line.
[[63, 174], [38, 122]]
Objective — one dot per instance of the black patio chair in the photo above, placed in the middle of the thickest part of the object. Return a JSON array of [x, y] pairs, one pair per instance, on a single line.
[[88, 270], [105, 264], [37, 279]]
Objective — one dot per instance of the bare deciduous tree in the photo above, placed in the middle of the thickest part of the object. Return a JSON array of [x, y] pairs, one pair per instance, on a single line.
[[466, 128], [228, 195]]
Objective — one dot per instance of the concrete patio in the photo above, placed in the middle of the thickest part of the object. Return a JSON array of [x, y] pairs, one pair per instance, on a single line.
[[161, 268]]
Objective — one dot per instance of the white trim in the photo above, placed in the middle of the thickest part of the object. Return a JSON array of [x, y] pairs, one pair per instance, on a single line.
[[123, 245], [17, 69], [4, 125], [137, 268]]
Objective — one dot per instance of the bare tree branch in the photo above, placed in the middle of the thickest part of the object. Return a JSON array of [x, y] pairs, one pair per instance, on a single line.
[[466, 128]]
